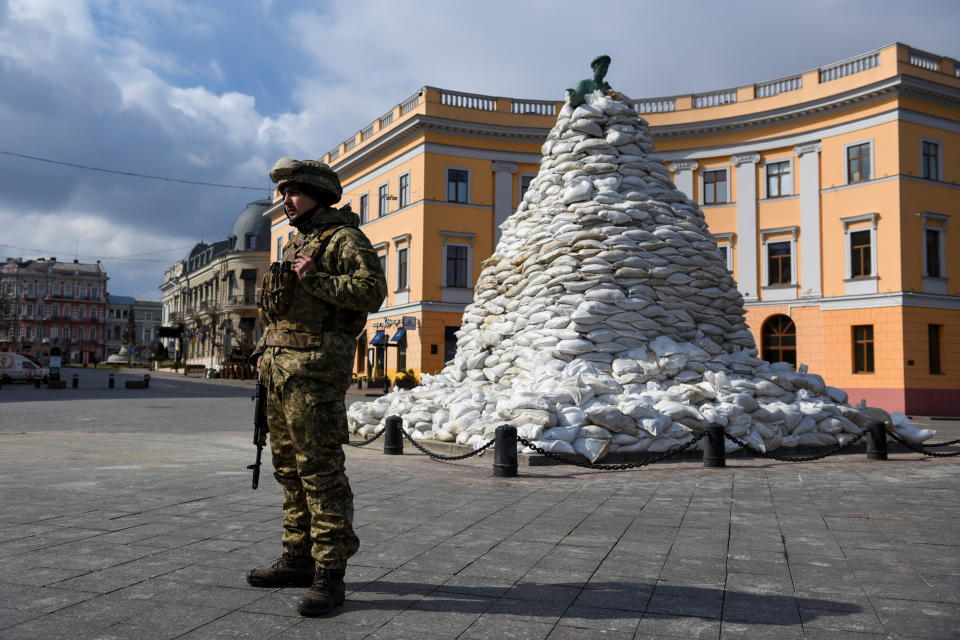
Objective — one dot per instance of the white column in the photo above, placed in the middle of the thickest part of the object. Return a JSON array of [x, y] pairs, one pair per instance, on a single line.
[[747, 225], [502, 195], [810, 275], [683, 175]]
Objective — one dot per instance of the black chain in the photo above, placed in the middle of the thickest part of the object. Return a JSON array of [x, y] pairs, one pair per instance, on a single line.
[[941, 444], [437, 456], [363, 443], [764, 454], [615, 467], [921, 449]]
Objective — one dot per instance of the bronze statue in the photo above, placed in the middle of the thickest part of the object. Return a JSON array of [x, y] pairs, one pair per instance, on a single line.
[[600, 64]]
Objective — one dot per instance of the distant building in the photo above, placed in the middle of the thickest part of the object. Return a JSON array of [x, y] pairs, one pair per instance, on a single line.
[[45, 303], [831, 192], [132, 322], [211, 293]]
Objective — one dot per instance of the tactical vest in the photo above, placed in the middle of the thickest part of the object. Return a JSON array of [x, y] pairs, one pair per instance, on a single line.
[[296, 318]]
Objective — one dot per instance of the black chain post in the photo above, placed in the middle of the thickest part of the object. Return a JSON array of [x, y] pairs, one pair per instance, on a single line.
[[75, 383], [110, 381], [505, 452], [714, 449], [877, 442], [393, 436]]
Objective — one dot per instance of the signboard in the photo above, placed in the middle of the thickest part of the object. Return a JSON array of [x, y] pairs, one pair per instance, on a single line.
[[169, 332], [54, 362], [409, 323]]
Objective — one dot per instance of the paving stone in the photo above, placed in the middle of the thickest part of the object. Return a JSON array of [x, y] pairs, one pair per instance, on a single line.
[[238, 625], [659, 625]]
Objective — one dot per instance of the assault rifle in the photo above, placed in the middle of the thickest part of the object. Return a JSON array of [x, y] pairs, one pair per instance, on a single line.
[[259, 428]]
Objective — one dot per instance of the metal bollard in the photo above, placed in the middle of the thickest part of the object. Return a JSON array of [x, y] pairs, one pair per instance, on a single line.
[[393, 436], [505, 452], [877, 441], [714, 448], [75, 383], [110, 382], [146, 381], [36, 383]]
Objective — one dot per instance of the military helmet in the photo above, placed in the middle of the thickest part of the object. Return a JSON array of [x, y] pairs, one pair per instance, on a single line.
[[312, 174]]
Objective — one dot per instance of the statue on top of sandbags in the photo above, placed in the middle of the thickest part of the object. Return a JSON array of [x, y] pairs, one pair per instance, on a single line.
[[600, 65]]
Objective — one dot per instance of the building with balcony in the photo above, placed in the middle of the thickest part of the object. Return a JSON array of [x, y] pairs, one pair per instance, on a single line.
[[132, 322], [211, 293], [46, 304], [831, 192]]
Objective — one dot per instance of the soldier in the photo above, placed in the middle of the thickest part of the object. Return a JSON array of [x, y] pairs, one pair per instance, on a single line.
[[314, 302]]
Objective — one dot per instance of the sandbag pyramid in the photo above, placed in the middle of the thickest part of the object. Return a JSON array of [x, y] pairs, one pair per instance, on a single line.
[[606, 320]]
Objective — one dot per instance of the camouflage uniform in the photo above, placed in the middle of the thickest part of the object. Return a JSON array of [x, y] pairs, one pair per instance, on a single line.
[[308, 349]]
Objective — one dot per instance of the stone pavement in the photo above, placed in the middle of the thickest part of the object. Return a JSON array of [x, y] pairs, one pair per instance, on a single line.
[[129, 514]]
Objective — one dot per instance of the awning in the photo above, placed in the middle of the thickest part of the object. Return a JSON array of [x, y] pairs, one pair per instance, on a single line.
[[248, 274], [398, 336], [380, 337]]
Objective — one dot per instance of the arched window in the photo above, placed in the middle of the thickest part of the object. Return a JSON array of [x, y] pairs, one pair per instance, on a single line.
[[779, 340]]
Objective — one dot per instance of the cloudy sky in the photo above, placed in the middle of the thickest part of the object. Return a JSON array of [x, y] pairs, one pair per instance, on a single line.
[[216, 91]]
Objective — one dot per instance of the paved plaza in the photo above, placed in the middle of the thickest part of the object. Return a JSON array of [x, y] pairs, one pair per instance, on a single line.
[[129, 514]]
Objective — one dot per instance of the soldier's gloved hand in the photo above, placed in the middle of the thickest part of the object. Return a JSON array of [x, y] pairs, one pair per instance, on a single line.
[[303, 263], [259, 362]]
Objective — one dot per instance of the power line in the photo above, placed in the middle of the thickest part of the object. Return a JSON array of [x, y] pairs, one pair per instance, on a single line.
[[130, 173], [93, 257]]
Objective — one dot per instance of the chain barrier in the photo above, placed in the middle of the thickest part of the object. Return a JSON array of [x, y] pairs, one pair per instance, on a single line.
[[437, 456], [363, 443], [615, 467], [941, 444], [764, 454], [921, 448]]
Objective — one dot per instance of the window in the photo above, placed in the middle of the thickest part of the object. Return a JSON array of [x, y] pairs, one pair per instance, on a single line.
[[402, 268], [80, 333], [715, 186], [778, 179], [525, 184], [457, 266], [54, 332], [858, 162], [930, 159], [457, 185], [364, 208], [383, 200], [932, 239], [863, 349], [778, 263], [449, 343], [383, 263], [933, 347], [404, 190], [250, 241], [861, 254], [66, 333], [779, 340]]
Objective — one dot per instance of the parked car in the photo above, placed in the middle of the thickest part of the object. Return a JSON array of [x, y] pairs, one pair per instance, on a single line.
[[16, 366]]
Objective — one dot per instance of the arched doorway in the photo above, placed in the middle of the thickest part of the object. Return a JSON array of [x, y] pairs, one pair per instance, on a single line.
[[779, 340]]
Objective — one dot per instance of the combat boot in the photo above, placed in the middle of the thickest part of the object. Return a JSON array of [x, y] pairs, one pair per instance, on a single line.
[[326, 594], [287, 571]]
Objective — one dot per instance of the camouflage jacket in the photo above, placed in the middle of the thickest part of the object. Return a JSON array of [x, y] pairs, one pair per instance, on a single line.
[[347, 283]]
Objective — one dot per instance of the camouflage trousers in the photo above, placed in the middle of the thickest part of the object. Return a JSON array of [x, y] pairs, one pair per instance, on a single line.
[[305, 434]]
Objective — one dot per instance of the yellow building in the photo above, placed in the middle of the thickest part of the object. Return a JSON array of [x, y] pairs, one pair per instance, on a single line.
[[831, 192]]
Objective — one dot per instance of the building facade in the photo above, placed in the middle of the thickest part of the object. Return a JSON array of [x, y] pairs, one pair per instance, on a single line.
[[831, 192], [46, 304], [134, 323], [211, 293]]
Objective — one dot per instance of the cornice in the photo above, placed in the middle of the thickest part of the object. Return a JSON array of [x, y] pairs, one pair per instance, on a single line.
[[421, 124], [683, 165], [899, 85]]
